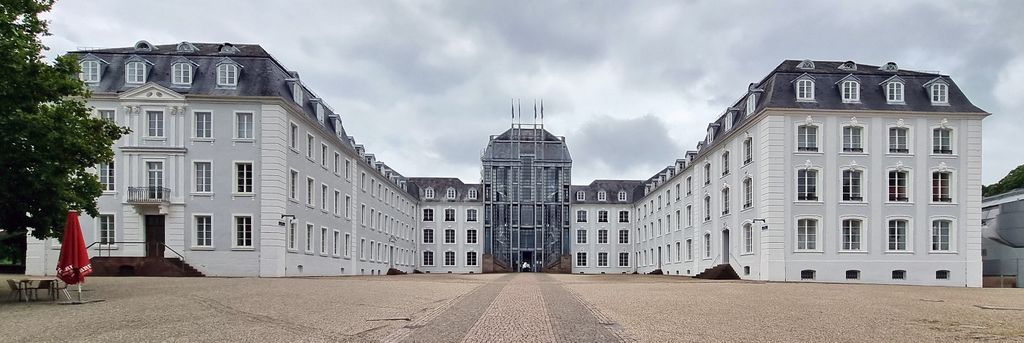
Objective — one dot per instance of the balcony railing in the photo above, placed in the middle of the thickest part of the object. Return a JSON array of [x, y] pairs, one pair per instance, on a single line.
[[149, 195]]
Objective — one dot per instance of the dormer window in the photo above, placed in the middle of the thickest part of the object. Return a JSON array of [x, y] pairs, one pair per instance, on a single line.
[[181, 73], [805, 90], [602, 196], [143, 46], [622, 196], [450, 193], [186, 47], [90, 71], [848, 65], [227, 75], [135, 72], [471, 194], [894, 92], [228, 48], [851, 91], [728, 120], [805, 64], [297, 92], [940, 93], [428, 193], [751, 103], [581, 196]]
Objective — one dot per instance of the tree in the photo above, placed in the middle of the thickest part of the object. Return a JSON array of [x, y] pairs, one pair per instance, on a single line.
[[48, 137], [1013, 180]]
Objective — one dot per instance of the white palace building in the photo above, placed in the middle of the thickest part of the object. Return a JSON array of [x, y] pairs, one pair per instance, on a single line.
[[820, 172]]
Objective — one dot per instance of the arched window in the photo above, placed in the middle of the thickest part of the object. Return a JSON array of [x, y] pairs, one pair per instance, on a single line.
[[622, 195], [851, 91], [90, 71], [707, 207], [748, 238], [748, 150], [894, 92], [471, 194], [725, 201], [602, 196], [725, 163], [428, 193], [449, 193], [227, 74], [707, 245], [581, 196], [181, 73], [748, 193]]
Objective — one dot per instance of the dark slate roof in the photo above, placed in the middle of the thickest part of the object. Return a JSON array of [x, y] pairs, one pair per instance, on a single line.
[[550, 147], [440, 185], [612, 187]]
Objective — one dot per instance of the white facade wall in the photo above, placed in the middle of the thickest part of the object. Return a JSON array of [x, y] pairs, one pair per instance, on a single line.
[[460, 247], [591, 245]]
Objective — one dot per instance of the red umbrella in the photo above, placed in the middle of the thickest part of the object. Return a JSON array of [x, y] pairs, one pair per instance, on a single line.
[[74, 259]]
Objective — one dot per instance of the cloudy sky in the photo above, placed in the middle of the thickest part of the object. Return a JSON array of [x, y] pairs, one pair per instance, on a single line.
[[631, 85]]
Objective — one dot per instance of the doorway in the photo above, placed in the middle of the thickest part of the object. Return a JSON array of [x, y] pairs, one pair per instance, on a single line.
[[527, 261], [155, 236], [725, 246], [659, 257]]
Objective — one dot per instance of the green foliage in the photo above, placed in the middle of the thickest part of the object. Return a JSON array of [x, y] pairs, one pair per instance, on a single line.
[[1013, 180], [48, 137]]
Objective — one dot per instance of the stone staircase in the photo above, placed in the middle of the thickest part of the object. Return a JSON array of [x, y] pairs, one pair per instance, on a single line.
[[719, 272], [142, 266]]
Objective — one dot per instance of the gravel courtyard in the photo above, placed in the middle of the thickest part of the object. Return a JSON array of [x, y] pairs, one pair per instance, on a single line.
[[513, 307]]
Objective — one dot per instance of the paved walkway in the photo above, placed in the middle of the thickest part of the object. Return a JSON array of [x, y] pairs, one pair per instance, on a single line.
[[525, 307]]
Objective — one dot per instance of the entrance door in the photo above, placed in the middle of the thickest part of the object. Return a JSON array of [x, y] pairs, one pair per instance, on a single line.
[[725, 246], [527, 257], [155, 236]]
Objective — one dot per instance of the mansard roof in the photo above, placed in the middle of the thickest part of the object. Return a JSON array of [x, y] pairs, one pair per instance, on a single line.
[[612, 188], [440, 185]]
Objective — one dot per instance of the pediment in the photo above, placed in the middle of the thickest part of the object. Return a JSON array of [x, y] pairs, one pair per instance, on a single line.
[[151, 92]]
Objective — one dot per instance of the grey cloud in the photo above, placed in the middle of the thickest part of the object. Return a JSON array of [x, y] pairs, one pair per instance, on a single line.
[[619, 146]]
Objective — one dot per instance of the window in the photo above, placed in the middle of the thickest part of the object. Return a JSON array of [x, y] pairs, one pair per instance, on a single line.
[[449, 236], [581, 196], [899, 274], [243, 232], [852, 234], [291, 235], [337, 241], [939, 93], [602, 259], [135, 72], [707, 208], [852, 180], [725, 201], [748, 193], [309, 238], [471, 194], [581, 216], [623, 259], [898, 186], [293, 185], [581, 236], [471, 215], [244, 125], [806, 234], [428, 236], [942, 275], [748, 238], [449, 258], [725, 163], [310, 142], [707, 245], [293, 137], [623, 236], [323, 240], [181, 73], [622, 196], [940, 187], [898, 140], [107, 176], [203, 231], [852, 139], [90, 72], [941, 141], [450, 193], [243, 177], [227, 75], [323, 197], [107, 115], [309, 191], [807, 184], [689, 185], [204, 177], [154, 124], [155, 179], [689, 215], [751, 104], [807, 138], [334, 166], [853, 275], [940, 234], [748, 150], [348, 169], [602, 216], [471, 236], [623, 216], [807, 274], [707, 174], [323, 154], [428, 214], [203, 125], [428, 258], [107, 229], [689, 249], [348, 207], [897, 238], [894, 92], [851, 91], [428, 193], [602, 196], [471, 258], [449, 214], [602, 236], [581, 259], [804, 90]]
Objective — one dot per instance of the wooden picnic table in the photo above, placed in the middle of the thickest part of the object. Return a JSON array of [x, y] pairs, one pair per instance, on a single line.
[[27, 284]]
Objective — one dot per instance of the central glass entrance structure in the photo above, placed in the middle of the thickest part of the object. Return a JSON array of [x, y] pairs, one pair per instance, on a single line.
[[526, 176]]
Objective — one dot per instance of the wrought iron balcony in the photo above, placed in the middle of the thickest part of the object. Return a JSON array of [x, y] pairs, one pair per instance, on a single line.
[[149, 195]]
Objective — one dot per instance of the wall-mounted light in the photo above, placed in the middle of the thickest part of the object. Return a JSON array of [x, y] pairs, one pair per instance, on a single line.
[[762, 220], [282, 222]]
